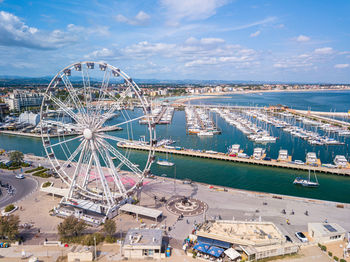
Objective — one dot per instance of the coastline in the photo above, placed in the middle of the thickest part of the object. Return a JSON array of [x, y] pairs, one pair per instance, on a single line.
[[225, 94]]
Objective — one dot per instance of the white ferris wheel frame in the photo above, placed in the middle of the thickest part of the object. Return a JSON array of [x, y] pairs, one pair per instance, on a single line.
[[92, 134]]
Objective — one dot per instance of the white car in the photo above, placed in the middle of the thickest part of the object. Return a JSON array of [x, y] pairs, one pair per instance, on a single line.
[[20, 176], [301, 237]]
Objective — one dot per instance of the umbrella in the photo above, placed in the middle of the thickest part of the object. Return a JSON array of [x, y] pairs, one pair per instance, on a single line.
[[215, 251], [201, 247]]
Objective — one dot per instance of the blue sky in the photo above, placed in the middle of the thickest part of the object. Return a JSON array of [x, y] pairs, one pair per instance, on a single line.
[[289, 40]]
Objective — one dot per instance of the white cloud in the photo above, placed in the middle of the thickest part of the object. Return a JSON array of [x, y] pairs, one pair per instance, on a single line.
[[267, 20], [102, 53], [192, 53], [14, 32], [324, 51], [204, 41], [141, 18], [177, 10], [341, 65], [302, 38], [255, 34]]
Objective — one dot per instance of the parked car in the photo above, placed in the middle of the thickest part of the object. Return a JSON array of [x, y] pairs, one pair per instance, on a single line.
[[20, 176], [301, 237]]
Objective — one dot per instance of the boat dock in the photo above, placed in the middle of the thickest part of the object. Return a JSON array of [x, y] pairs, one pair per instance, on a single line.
[[225, 157]]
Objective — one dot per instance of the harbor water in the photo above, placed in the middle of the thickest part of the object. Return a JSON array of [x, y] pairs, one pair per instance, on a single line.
[[236, 175]]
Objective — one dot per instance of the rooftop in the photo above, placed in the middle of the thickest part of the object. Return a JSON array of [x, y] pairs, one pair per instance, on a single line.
[[242, 232], [326, 229], [143, 237]]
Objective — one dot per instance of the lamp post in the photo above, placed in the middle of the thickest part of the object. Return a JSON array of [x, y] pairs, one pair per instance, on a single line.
[[95, 248]]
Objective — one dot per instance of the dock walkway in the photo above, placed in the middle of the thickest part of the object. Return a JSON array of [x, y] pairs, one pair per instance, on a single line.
[[225, 157]]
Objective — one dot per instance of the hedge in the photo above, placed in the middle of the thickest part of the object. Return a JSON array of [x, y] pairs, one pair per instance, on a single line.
[[33, 170], [336, 258]]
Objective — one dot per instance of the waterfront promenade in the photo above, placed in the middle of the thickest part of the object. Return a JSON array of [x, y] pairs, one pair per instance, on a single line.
[[225, 157]]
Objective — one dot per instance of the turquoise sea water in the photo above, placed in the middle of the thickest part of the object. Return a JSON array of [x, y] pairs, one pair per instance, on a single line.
[[242, 176]]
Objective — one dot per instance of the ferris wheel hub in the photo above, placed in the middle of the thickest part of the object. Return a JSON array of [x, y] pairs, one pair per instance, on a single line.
[[87, 133]]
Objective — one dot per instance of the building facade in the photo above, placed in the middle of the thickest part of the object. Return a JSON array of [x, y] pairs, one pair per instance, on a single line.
[[23, 99]]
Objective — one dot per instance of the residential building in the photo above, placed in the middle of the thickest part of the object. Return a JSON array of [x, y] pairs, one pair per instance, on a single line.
[[23, 99]]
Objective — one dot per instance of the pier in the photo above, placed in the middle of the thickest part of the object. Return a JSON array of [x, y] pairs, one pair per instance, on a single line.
[[225, 157]]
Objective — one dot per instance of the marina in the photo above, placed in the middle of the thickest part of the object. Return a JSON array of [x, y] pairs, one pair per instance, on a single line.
[[255, 160]]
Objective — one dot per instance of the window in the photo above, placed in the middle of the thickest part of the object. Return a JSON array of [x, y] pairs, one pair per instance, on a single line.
[[156, 251], [145, 252], [150, 252]]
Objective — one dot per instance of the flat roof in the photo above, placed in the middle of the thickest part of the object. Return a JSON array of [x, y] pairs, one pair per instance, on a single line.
[[143, 237], [242, 232], [326, 229], [143, 211]]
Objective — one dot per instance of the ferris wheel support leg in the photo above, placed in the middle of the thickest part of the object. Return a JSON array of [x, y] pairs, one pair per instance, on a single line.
[[76, 172], [106, 190]]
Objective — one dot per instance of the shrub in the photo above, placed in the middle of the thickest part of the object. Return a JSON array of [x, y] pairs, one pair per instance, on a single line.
[[110, 239], [330, 253], [47, 184], [88, 240], [342, 260], [319, 245], [323, 248], [9, 208], [336, 258]]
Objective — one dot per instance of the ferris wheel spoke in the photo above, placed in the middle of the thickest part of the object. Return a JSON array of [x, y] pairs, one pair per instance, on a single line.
[[102, 94], [114, 138], [64, 108], [112, 127], [122, 158], [114, 107], [66, 141], [74, 96], [109, 162], [72, 156]]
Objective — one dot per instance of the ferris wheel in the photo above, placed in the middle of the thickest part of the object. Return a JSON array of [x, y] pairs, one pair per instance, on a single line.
[[85, 113]]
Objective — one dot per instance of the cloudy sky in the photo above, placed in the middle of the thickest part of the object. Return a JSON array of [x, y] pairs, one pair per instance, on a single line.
[[289, 40]]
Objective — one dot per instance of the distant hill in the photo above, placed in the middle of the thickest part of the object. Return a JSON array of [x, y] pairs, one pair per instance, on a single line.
[[21, 80]]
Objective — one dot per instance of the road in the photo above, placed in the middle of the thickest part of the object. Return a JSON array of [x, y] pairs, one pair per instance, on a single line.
[[22, 187]]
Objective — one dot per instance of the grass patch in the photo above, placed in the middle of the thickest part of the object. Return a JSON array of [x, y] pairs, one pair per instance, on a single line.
[[47, 184]]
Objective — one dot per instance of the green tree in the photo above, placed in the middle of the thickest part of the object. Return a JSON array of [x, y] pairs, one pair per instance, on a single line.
[[71, 227], [109, 227], [9, 227], [16, 157]]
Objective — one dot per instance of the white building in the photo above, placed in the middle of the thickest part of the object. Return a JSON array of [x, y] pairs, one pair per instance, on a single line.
[[23, 99], [143, 244], [29, 118], [325, 232]]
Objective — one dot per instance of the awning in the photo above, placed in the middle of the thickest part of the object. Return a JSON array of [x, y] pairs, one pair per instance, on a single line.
[[213, 242], [143, 211], [215, 251], [232, 253], [201, 247]]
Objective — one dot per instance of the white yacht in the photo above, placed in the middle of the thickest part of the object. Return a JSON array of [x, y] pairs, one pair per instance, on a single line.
[[283, 155], [340, 161]]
